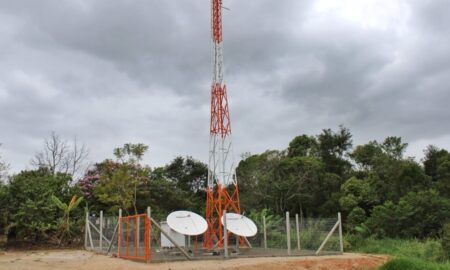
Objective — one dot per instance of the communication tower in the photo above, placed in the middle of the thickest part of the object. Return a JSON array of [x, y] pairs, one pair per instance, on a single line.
[[222, 190]]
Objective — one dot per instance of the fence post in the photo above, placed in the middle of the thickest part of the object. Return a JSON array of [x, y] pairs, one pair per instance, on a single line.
[[86, 230], [119, 233], [341, 241], [265, 232], [101, 231], [288, 234], [149, 214], [297, 225], [225, 233], [138, 233], [89, 231]]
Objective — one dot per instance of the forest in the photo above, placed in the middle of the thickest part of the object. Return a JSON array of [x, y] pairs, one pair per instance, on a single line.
[[380, 192]]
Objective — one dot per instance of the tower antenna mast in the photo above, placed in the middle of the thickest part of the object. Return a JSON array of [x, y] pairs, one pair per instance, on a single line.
[[222, 191]]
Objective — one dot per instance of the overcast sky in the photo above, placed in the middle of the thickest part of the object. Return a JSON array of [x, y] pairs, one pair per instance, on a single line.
[[111, 72]]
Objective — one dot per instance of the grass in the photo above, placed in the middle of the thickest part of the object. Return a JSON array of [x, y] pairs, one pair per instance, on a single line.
[[409, 254]]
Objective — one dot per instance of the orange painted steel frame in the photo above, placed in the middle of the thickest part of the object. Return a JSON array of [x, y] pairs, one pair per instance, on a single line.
[[147, 255], [218, 196]]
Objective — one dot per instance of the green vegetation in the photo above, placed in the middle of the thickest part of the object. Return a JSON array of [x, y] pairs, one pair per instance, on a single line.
[[380, 192], [407, 254], [64, 229]]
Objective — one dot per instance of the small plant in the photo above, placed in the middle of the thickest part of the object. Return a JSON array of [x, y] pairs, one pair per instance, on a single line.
[[64, 229]]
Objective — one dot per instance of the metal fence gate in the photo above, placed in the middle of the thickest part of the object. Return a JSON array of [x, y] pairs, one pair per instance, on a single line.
[[134, 237]]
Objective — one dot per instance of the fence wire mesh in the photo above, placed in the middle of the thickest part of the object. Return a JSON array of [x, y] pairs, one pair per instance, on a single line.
[[271, 241], [305, 241], [109, 234]]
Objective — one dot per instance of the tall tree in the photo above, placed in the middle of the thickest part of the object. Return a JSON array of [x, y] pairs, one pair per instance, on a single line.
[[303, 145], [3, 168], [333, 148], [119, 180], [437, 166], [60, 156]]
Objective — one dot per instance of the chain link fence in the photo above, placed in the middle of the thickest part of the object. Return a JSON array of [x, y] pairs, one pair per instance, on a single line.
[[288, 236]]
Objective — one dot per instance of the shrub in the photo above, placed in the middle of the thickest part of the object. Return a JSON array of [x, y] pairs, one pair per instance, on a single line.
[[445, 240], [355, 218], [410, 264], [418, 214]]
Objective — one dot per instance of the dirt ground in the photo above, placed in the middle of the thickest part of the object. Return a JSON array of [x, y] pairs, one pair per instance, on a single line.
[[77, 259]]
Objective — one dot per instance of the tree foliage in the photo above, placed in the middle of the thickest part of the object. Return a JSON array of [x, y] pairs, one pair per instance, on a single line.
[[31, 213], [3, 168], [379, 191]]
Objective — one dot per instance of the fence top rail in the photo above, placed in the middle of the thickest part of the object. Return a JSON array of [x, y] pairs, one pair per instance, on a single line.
[[134, 216]]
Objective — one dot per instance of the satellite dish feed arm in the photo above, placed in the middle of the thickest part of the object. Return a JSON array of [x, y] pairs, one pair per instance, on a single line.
[[171, 239]]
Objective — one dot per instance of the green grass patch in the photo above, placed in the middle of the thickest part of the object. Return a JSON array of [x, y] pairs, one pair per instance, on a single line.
[[408, 254], [413, 264]]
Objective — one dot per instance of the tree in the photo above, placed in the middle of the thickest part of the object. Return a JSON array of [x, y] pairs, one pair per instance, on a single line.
[[417, 214], [4, 206], [332, 149], [367, 155], [118, 182], [302, 145], [437, 166], [190, 176], [58, 156], [3, 168], [131, 153], [389, 174], [255, 175], [394, 147], [357, 199]]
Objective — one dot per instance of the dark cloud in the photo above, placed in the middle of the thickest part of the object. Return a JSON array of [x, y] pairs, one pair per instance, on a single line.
[[124, 71]]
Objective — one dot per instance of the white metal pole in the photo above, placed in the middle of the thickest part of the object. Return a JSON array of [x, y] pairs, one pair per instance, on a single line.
[[149, 214], [288, 234], [328, 237], [101, 231], [225, 233], [86, 230], [89, 232], [138, 231], [341, 241], [297, 225], [119, 232], [265, 232]]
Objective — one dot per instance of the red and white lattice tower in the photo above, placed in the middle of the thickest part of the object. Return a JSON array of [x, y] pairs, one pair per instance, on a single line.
[[222, 190]]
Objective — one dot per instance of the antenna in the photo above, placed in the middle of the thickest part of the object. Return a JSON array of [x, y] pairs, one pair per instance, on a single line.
[[240, 225], [187, 223], [222, 192]]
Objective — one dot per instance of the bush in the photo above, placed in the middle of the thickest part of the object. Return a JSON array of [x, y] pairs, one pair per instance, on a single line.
[[418, 214], [355, 218], [445, 240], [411, 264], [432, 250]]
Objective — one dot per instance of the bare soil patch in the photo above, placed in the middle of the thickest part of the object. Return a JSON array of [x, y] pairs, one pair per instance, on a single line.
[[77, 259]]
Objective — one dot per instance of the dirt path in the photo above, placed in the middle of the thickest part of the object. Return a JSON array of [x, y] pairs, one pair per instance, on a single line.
[[65, 260]]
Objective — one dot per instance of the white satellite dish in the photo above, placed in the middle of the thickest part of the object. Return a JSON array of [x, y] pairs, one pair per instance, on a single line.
[[240, 225], [187, 223]]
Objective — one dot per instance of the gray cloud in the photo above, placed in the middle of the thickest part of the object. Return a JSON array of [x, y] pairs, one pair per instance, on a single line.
[[115, 72]]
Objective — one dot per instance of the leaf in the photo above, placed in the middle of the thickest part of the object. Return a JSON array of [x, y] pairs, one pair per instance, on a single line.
[[58, 203], [75, 204]]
